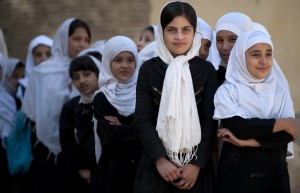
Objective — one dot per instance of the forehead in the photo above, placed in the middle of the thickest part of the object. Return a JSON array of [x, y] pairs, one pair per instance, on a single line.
[[180, 21], [225, 33], [260, 47]]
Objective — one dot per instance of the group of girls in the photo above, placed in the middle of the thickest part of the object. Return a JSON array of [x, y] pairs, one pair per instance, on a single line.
[[126, 117]]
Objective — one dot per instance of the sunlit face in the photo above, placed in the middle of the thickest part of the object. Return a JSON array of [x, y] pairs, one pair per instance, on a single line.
[[41, 53], [77, 42], [225, 42], [123, 66], [204, 49], [17, 74], [259, 60], [178, 36], [145, 38], [85, 81]]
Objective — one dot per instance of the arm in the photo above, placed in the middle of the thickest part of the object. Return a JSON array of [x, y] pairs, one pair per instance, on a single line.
[[145, 124], [145, 119], [208, 125], [70, 148], [269, 133], [111, 133]]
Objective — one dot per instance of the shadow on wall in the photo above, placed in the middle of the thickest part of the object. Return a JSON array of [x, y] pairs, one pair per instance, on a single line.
[[294, 166]]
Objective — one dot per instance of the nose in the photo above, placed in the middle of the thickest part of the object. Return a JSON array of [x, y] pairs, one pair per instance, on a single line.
[[179, 36], [263, 60], [44, 57], [84, 44], [226, 45]]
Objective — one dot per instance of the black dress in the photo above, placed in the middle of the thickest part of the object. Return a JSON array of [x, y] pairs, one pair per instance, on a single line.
[[77, 142], [254, 169], [149, 88], [121, 150]]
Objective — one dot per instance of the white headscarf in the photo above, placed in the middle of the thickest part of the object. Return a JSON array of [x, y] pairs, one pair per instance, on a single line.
[[39, 40], [47, 90], [120, 95], [234, 22], [9, 67], [7, 107], [248, 97], [204, 29], [178, 124]]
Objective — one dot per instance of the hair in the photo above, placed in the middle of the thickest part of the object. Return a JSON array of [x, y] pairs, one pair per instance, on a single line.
[[20, 64], [175, 9], [149, 28], [77, 23], [84, 63], [95, 54]]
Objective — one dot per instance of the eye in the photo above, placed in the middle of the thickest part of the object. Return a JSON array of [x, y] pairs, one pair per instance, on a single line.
[[220, 40], [232, 39]]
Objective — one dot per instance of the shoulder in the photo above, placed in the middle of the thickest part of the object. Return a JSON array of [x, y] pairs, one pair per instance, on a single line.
[[198, 66], [72, 102], [151, 63]]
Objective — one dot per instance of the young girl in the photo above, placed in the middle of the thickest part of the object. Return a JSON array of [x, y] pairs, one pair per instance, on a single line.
[[148, 35], [174, 109], [114, 107], [46, 92], [76, 125], [227, 29], [255, 106], [207, 35]]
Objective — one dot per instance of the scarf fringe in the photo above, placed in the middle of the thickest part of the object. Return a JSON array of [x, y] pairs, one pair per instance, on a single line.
[[182, 157]]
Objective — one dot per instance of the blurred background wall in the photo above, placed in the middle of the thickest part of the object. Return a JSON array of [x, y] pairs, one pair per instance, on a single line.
[[21, 20]]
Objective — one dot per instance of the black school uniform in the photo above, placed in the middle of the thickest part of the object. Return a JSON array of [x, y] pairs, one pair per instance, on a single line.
[[254, 169], [149, 88], [77, 141], [121, 150]]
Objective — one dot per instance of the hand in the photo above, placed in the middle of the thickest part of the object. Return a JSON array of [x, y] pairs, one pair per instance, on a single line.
[[167, 170], [228, 136], [86, 175], [112, 120], [188, 177]]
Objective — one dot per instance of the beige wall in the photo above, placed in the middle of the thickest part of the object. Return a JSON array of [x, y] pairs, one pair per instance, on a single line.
[[278, 16]]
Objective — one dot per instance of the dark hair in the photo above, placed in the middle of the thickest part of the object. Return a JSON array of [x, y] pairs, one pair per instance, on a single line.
[[85, 63], [77, 23], [96, 54], [149, 28], [20, 64], [178, 8]]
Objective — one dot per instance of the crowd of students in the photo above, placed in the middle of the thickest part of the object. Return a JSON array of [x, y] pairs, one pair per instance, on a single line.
[[187, 108]]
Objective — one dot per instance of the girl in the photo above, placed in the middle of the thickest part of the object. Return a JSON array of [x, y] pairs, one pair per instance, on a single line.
[[255, 105], [114, 107], [174, 109], [76, 125], [207, 35], [148, 35], [227, 29], [46, 92]]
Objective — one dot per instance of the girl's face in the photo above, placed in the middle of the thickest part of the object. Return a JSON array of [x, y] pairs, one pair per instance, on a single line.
[[85, 81], [77, 42], [41, 53], [204, 49], [17, 74], [259, 60], [123, 66], [178, 36], [145, 38], [225, 41]]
